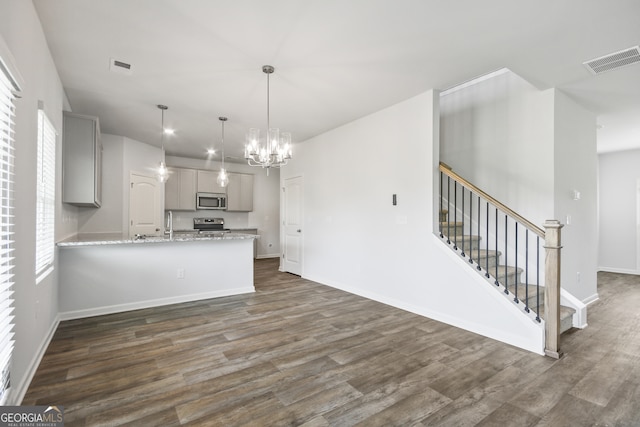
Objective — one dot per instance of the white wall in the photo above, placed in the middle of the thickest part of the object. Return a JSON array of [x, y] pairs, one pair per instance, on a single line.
[[619, 178], [576, 168], [36, 306], [498, 134], [354, 239], [266, 204]]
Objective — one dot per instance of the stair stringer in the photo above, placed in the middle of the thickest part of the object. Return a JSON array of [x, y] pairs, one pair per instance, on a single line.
[[502, 319]]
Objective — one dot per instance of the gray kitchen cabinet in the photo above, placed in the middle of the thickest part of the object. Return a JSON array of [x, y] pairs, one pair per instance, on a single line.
[[81, 160], [240, 192], [180, 190], [207, 182]]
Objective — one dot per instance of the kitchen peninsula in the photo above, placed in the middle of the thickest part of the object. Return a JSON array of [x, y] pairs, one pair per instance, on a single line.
[[112, 274]]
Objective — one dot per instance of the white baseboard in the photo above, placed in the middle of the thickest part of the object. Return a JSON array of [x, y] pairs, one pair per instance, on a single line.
[[268, 256], [619, 270], [590, 300], [98, 311], [21, 389]]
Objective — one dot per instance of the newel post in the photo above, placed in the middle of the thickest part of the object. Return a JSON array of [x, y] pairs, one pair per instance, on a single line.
[[552, 248]]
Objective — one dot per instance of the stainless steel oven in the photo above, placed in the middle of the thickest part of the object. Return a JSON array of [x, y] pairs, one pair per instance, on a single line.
[[211, 201], [209, 226]]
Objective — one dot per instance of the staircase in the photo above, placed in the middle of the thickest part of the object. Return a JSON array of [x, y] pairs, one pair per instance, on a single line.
[[516, 258]]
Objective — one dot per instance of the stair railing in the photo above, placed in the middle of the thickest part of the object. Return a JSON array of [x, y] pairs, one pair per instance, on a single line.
[[484, 228]]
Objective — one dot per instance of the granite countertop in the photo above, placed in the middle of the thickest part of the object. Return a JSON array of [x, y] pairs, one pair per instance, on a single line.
[[119, 239]]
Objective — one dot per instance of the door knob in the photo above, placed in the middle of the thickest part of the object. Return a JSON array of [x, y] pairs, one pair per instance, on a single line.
[[299, 231]]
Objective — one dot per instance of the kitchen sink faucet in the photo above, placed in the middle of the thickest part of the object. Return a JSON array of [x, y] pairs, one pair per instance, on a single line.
[[169, 225]]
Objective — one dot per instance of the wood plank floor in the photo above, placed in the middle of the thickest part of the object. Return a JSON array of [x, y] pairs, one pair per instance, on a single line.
[[299, 353]]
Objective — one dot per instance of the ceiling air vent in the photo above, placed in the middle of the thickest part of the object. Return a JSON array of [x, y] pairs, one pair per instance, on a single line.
[[120, 67], [613, 60]]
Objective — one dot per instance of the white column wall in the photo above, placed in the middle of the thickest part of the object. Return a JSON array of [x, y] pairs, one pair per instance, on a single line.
[[576, 168]]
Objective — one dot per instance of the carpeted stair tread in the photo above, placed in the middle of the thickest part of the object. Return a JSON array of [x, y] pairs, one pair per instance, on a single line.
[[566, 317], [450, 224], [459, 237], [566, 313], [483, 253]]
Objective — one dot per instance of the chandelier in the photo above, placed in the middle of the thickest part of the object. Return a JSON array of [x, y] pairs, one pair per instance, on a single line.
[[223, 177], [274, 149], [162, 174]]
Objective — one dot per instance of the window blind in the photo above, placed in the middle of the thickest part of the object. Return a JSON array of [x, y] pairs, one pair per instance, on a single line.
[[45, 200], [7, 111]]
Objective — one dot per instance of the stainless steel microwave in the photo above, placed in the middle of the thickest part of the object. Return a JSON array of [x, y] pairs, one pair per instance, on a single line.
[[211, 201]]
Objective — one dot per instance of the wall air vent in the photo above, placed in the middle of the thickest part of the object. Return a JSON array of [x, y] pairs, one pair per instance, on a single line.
[[120, 67], [613, 60]]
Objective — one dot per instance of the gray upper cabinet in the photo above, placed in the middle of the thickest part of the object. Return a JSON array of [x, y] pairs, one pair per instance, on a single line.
[[180, 190], [240, 192], [81, 160], [207, 182]]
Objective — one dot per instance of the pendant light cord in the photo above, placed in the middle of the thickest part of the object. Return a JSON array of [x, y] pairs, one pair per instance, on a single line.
[[223, 144], [268, 103], [162, 109], [268, 145]]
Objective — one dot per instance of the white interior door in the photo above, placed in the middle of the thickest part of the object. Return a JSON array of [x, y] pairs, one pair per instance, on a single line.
[[145, 208], [293, 221]]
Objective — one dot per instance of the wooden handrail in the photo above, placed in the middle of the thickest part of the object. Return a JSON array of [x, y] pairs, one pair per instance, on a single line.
[[446, 169]]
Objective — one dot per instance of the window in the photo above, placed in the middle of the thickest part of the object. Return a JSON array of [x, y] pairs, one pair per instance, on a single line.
[[46, 196], [7, 112]]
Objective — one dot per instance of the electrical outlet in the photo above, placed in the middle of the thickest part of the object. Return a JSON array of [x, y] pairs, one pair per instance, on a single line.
[[180, 273]]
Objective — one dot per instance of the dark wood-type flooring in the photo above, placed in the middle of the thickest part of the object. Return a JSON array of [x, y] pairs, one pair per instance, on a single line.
[[299, 353]]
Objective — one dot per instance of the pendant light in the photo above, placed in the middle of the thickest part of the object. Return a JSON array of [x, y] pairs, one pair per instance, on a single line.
[[223, 177], [275, 150], [162, 174]]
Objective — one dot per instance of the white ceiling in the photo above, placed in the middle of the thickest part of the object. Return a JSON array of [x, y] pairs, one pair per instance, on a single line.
[[335, 60]]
